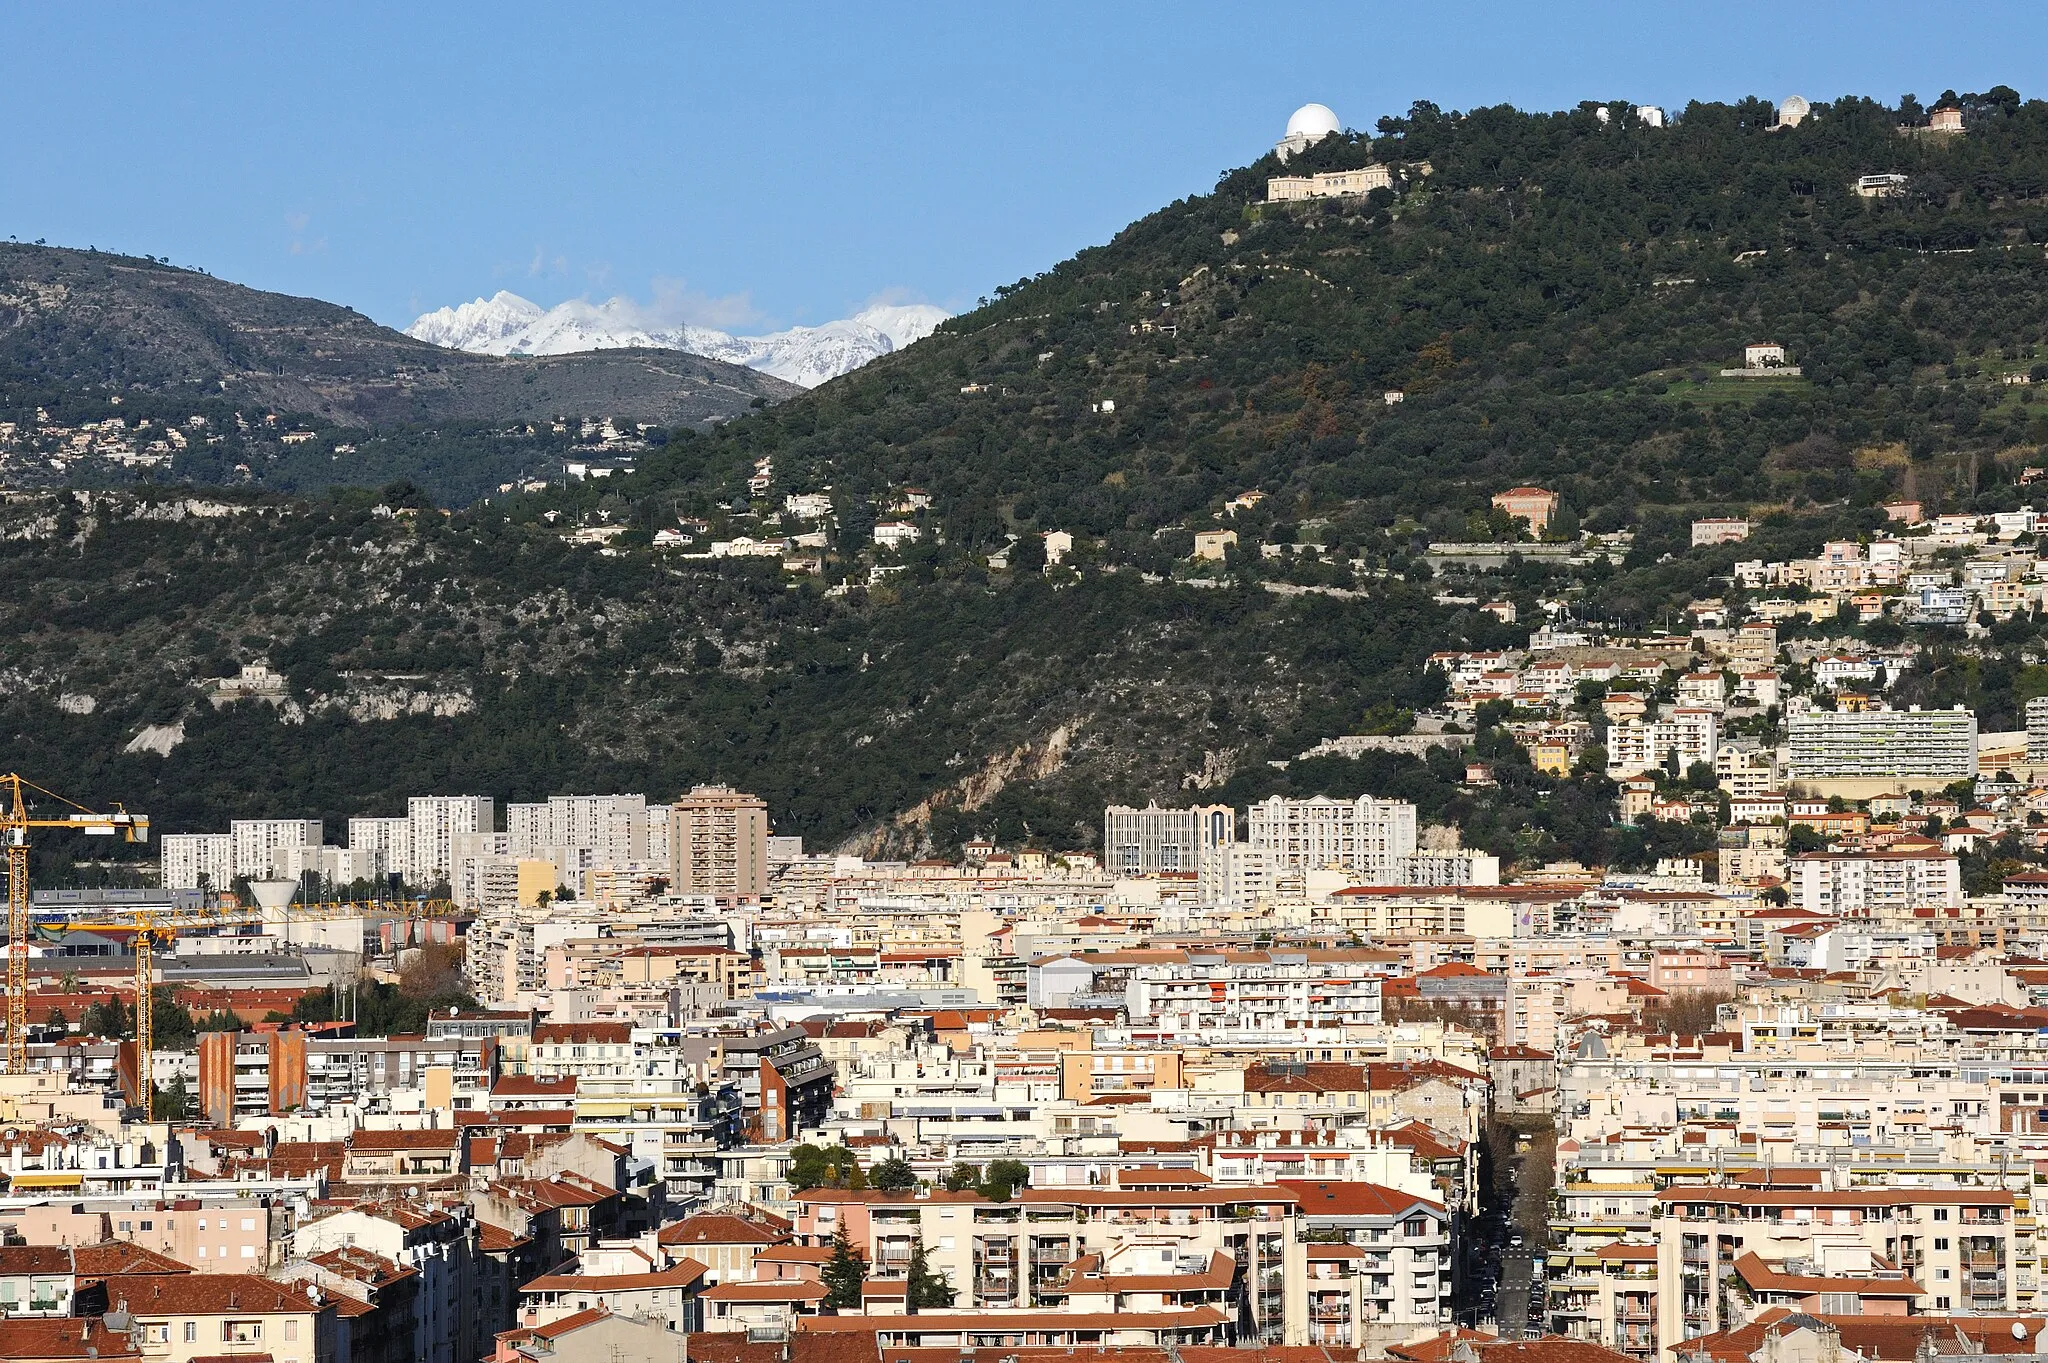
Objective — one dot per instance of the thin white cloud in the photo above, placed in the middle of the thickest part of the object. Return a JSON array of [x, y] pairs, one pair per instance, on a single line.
[[297, 223], [675, 302], [893, 298]]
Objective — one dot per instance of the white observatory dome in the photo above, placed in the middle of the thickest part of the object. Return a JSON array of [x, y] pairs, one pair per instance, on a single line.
[[1793, 111], [1312, 122]]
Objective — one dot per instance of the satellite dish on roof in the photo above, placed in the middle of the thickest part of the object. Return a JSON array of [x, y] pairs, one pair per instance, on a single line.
[[2019, 1329]]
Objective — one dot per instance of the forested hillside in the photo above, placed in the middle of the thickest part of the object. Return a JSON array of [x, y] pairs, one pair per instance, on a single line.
[[86, 336], [1552, 295]]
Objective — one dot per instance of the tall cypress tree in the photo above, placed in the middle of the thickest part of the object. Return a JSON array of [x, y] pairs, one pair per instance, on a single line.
[[843, 1275], [923, 1288]]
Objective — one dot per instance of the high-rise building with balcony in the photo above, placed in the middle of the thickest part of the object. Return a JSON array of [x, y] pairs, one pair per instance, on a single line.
[[1152, 840], [1367, 835], [718, 844]]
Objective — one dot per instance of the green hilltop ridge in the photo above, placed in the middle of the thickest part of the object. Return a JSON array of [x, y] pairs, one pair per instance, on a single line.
[[1552, 295], [88, 335]]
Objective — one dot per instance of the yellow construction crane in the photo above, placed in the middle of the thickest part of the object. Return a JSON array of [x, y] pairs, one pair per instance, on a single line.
[[16, 819]]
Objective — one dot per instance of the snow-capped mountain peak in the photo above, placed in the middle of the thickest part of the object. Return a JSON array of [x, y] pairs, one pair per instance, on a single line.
[[471, 325], [506, 324], [903, 323]]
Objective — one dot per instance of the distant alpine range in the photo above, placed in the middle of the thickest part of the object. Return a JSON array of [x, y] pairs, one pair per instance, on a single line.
[[506, 324]]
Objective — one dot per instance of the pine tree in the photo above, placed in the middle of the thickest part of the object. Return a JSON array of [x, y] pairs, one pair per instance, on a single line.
[[843, 1275], [923, 1288], [169, 1102], [894, 1175]]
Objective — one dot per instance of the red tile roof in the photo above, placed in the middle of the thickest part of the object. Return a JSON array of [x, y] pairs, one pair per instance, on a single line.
[[372, 1141], [206, 1294], [114, 1257], [684, 1273], [1882, 1339], [1762, 1277], [938, 1322], [583, 1033], [717, 1229], [60, 1338], [790, 1289], [1332, 1198]]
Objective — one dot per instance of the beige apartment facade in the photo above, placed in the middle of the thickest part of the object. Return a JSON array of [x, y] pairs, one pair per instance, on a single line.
[[718, 843]]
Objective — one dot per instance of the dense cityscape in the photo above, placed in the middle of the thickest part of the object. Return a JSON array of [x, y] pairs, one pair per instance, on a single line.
[[587, 1077], [1437, 752]]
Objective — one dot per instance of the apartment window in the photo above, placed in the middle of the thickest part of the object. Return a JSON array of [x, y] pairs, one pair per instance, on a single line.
[[241, 1331], [1941, 1275], [291, 1331], [128, 1226], [149, 1225], [1941, 1303], [248, 1251], [1941, 1242], [191, 1332], [248, 1223], [1941, 1213]]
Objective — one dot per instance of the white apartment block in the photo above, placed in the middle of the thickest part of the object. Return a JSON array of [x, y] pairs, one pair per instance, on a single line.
[[435, 820], [1152, 840], [258, 844], [614, 825], [1745, 773], [1442, 869], [1937, 746], [594, 830], [1719, 530], [1885, 885], [1366, 835], [1690, 733], [1253, 992], [1960, 1244], [529, 827], [2037, 729], [490, 881], [388, 839], [340, 866], [192, 859], [1235, 875]]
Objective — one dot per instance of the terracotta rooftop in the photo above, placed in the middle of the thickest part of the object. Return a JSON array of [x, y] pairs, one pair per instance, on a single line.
[[713, 1228], [206, 1294]]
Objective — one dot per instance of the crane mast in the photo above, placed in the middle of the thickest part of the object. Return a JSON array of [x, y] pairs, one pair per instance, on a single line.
[[147, 929], [151, 929], [16, 820]]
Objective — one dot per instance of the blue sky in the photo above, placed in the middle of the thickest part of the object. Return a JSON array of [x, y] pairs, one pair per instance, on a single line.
[[757, 165]]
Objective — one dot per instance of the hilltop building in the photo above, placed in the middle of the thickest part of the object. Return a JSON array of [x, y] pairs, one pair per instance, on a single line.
[[1532, 504], [1328, 184], [1310, 124]]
